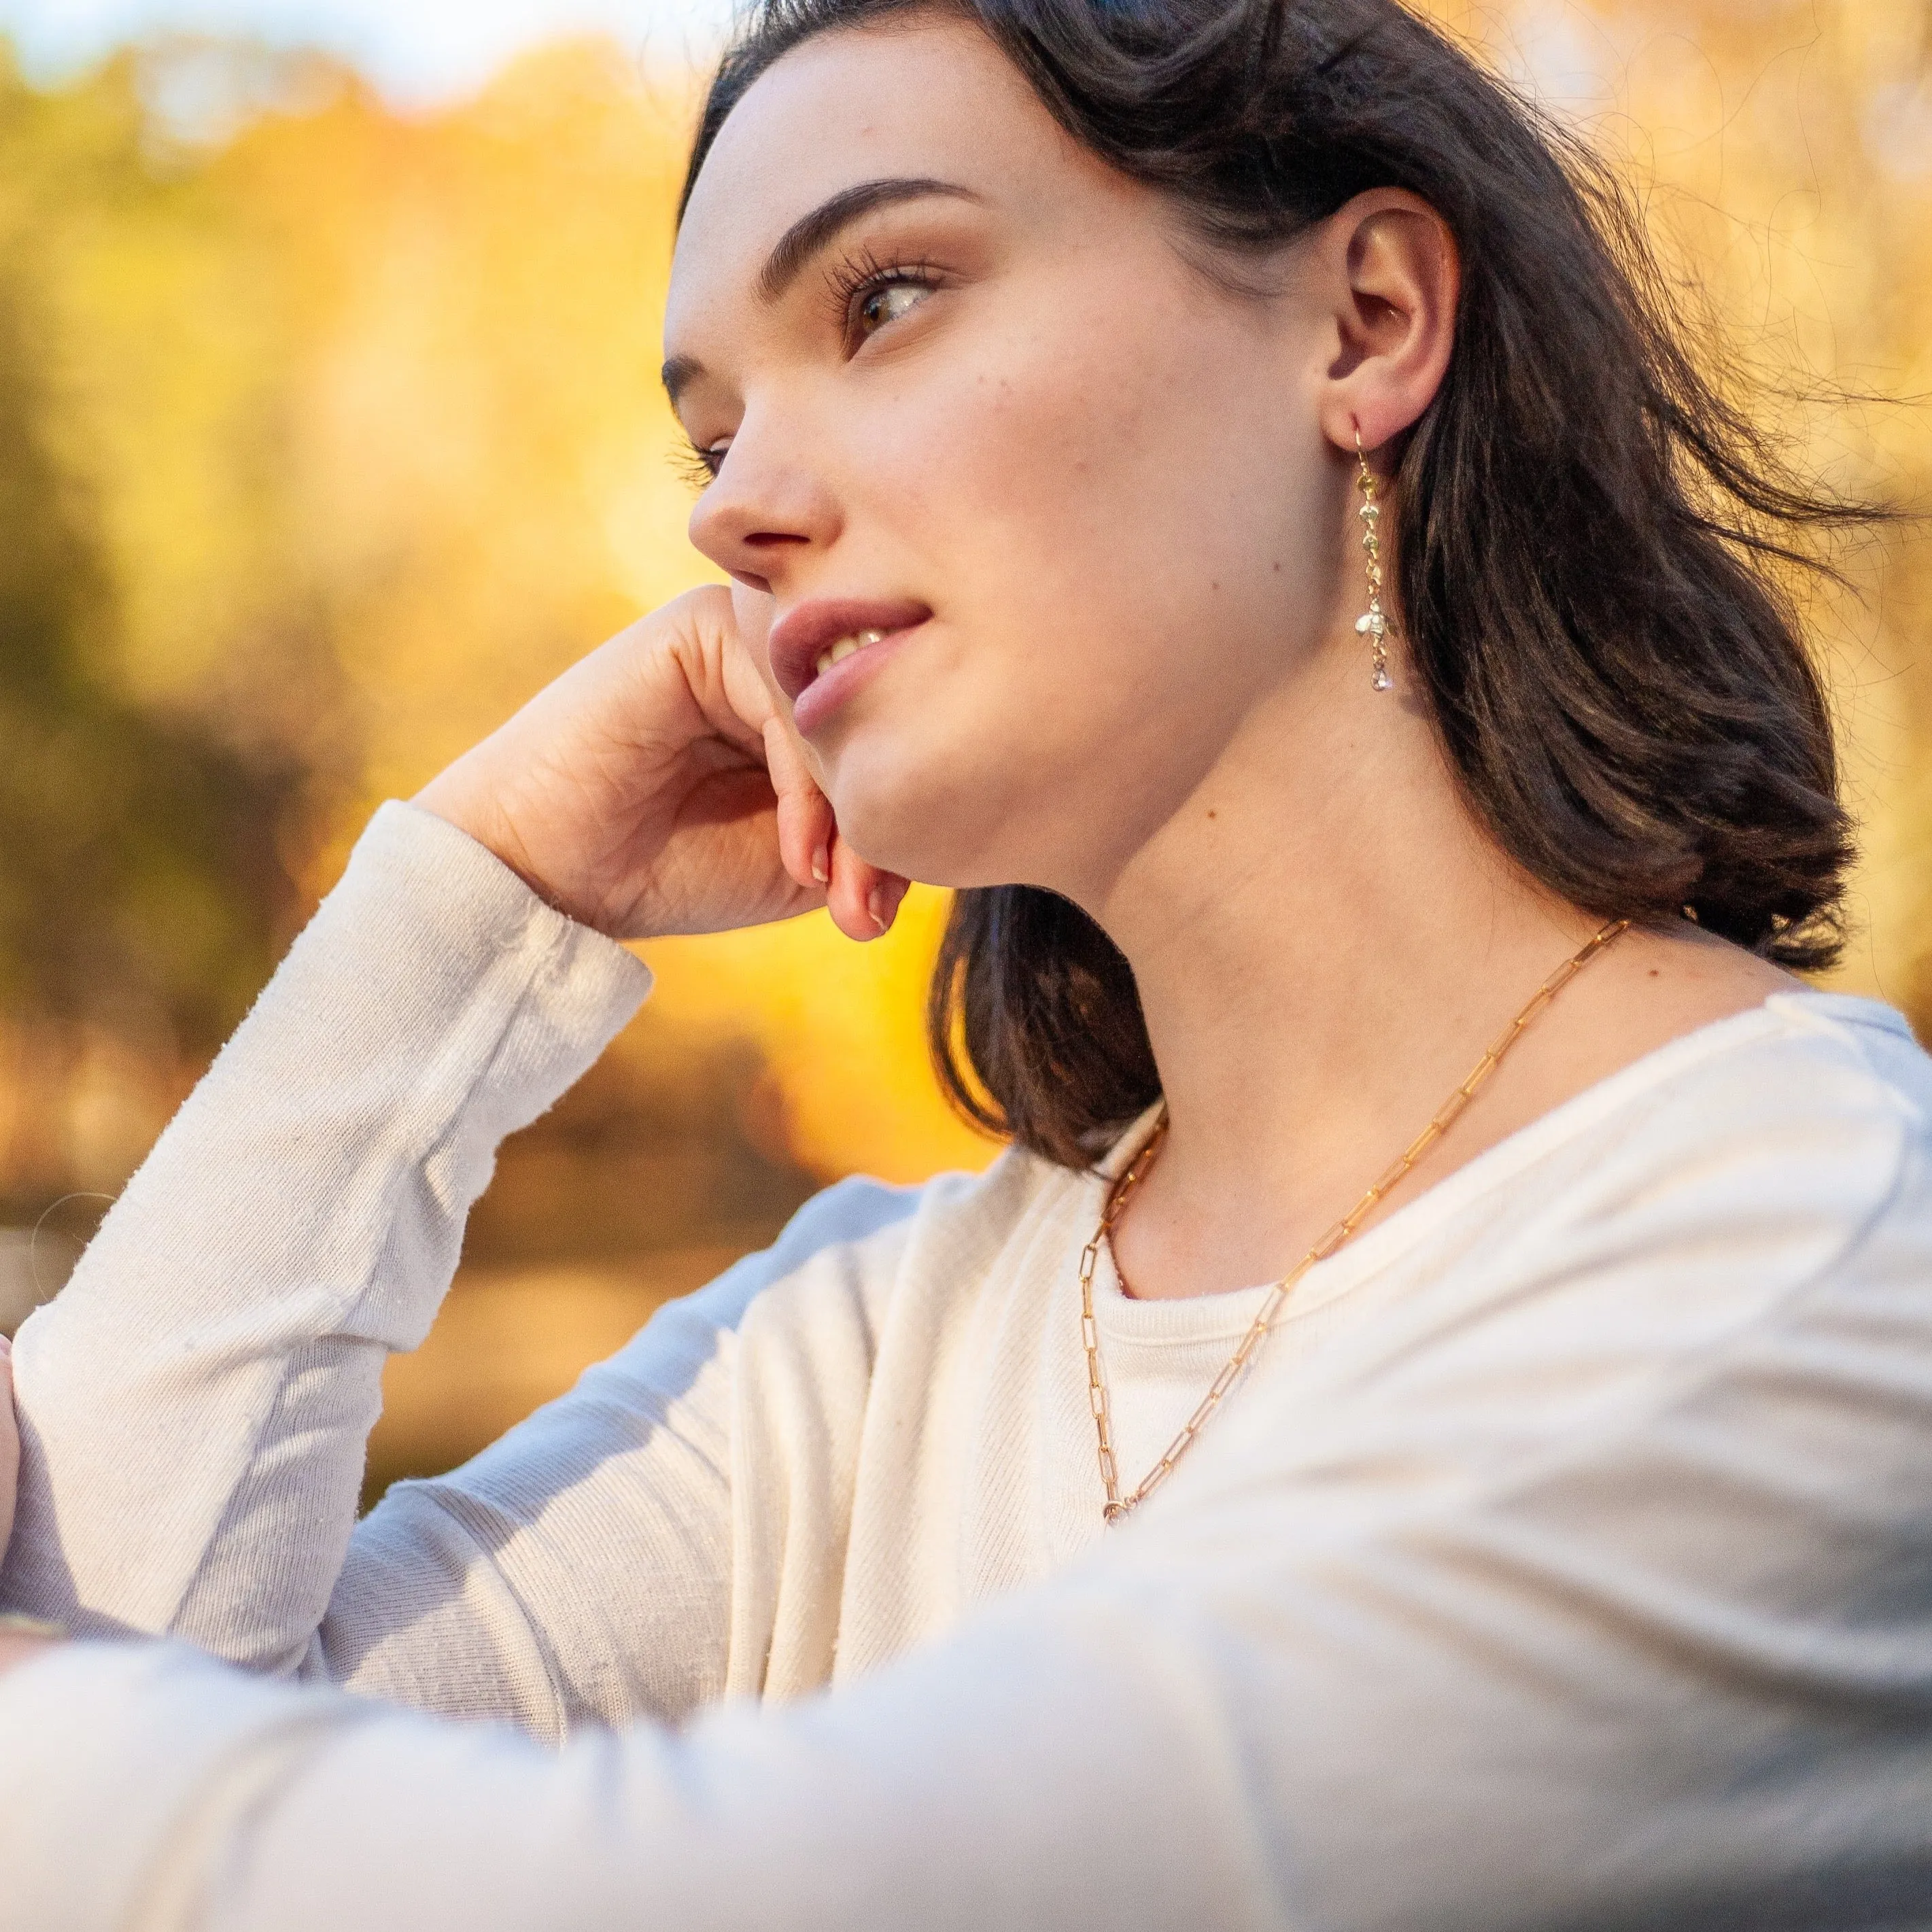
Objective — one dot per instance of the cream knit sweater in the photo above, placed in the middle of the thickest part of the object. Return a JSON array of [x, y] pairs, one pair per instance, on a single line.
[[1565, 1561]]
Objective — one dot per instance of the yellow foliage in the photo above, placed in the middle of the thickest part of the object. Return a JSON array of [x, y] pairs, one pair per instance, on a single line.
[[842, 1030]]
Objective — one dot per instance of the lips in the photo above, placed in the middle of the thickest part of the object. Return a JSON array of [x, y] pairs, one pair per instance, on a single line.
[[805, 634]]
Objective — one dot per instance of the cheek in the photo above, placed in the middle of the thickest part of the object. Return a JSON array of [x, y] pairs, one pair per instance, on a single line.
[[1111, 564], [1128, 480]]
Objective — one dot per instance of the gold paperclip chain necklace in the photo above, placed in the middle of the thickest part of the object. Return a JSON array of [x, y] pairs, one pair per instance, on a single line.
[[1117, 1505]]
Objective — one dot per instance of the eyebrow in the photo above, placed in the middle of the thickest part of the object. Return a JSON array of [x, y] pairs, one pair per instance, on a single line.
[[810, 233]]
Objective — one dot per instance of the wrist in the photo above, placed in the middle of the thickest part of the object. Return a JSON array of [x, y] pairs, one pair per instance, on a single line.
[[456, 800], [474, 813]]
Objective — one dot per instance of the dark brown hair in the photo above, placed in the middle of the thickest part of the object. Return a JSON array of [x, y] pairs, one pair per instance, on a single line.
[[1587, 533]]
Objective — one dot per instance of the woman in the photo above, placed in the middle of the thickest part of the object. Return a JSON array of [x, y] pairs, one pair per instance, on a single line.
[[1207, 481]]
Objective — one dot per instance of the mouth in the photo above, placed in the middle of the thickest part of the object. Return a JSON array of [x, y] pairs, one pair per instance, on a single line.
[[824, 650], [846, 647]]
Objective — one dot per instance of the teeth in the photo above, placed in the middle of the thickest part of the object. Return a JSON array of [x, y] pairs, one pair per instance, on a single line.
[[845, 648]]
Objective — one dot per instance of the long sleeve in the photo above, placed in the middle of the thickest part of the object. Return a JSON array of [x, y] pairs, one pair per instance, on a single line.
[[1563, 1565], [196, 1405], [1652, 1646]]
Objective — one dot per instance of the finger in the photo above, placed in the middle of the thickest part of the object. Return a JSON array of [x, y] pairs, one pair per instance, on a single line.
[[864, 899], [805, 817]]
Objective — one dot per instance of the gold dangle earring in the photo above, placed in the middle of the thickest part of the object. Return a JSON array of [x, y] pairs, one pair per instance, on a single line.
[[1371, 624]]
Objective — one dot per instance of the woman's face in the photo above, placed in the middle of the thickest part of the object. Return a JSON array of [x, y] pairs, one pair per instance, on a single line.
[[962, 388]]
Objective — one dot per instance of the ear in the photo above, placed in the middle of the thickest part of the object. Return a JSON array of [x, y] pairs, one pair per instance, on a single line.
[[1394, 276]]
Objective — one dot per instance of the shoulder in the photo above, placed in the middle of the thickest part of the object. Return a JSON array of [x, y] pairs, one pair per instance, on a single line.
[[1719, 1185], [1811, 1103], [1685, 1200], [842, 1256], [1732, 1237], [1870, 1046], [811, 1306], [863, 1235], [801, 1322]]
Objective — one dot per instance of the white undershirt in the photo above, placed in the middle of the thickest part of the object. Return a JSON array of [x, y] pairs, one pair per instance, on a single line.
[[1161, 1357], [1566, 1558]]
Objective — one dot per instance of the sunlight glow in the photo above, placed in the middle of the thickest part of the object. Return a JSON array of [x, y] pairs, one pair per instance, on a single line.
[[428, 51]]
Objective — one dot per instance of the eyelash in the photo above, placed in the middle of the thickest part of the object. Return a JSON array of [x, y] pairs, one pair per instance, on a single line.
[[862, 273], [698, 467], [851, 277]]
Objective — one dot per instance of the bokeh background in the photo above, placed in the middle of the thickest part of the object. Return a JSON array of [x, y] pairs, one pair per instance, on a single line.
[[330, 429]]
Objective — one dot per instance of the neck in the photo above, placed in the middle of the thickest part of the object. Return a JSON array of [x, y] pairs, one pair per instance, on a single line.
[[1325, 942]]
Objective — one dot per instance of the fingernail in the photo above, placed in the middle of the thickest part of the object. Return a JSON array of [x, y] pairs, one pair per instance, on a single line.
[[821, 864], [883, 903], [6, 1347]]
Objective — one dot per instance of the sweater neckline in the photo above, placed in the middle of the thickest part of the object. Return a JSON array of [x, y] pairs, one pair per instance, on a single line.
[[1187, 1319]]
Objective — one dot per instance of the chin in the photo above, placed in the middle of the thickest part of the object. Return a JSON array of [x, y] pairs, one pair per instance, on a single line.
[[917, 817]]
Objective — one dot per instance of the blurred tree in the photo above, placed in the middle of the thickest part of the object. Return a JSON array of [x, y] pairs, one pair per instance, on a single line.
[[141, 893], [141, 882], [327, 434]]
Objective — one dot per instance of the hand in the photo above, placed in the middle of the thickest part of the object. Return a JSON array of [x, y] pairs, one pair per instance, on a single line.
[[654, 788]]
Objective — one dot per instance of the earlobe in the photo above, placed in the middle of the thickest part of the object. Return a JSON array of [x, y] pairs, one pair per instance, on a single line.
[[1396, 293]]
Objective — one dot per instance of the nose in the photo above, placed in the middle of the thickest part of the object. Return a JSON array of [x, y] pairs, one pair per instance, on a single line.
[[764, 512]]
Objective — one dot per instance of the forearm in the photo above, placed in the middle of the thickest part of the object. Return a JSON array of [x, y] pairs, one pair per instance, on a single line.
[[194, 1406], [1642, 1669], [1001, 1786]]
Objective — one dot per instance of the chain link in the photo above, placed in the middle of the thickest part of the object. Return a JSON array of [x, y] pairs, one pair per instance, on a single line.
[[1118, 1506]]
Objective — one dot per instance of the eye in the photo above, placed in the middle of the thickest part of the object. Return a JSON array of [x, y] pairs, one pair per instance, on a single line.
[[886, 301], [700, 467], [869, 294]]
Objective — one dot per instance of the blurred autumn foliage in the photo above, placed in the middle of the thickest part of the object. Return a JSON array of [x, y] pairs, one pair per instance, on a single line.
[[328, 433], [326, 436]]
